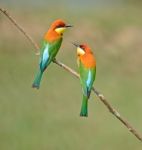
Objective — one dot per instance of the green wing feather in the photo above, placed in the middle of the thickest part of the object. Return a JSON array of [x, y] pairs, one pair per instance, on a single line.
[[53, 49], [87, 77], [47, 54]]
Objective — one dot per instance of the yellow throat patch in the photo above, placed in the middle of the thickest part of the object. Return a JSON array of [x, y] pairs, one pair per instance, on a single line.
[[60, 30], [80, 51]]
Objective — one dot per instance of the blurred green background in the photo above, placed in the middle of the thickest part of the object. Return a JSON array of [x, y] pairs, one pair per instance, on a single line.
[[48, 119]]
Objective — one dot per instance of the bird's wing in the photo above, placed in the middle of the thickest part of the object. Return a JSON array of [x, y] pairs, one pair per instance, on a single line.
[[87, 77], [48, 53], [44, 55]]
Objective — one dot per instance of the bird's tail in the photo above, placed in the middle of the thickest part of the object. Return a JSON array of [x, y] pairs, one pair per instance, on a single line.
[[84, 107], [36, 83]]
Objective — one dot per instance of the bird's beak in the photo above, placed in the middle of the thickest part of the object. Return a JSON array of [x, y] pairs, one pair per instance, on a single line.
[[61, 30], [68, 26], [80, 51], [76, 45]]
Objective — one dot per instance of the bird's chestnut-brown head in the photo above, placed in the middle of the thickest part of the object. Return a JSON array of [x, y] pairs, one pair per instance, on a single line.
[[82, 49], [59, 26]]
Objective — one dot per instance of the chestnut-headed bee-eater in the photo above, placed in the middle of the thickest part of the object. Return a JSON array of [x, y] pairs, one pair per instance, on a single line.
[[87, 70], [50, 46]]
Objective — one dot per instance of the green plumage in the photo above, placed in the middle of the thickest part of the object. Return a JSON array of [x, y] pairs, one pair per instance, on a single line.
[[47, 54], [84, 107], [87, 77], [37, 79]]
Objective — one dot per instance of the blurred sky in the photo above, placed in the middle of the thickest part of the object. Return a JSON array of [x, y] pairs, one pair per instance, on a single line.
[[69, 3]]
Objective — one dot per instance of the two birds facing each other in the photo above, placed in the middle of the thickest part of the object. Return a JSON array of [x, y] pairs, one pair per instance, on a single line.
[[86, 60]]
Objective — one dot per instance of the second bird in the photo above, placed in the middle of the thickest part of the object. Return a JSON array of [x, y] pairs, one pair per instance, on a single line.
[[87, 71], [50, 46]]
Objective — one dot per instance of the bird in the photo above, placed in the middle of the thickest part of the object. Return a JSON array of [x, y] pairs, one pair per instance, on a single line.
[[51, 44], [87, 71]]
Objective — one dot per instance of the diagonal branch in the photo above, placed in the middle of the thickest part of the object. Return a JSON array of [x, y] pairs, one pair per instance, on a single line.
[[99, 95], [21, 29]]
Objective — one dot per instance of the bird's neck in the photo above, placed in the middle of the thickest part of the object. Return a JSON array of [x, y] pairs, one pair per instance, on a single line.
[[52, 36]]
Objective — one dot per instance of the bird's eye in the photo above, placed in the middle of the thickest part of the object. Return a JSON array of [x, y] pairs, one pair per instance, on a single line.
[[82, 47], [59, 26]]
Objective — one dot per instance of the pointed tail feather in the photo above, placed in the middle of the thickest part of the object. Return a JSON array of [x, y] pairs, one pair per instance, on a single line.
[[36, 83], [84, 107]]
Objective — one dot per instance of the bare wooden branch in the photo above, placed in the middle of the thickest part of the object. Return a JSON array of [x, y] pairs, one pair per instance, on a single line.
[[99, 95], [21, 29], [117, 114], [104, 101]]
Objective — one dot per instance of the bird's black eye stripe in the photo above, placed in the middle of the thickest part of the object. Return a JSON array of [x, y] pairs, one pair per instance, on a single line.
[[82, 47], [59, 26]]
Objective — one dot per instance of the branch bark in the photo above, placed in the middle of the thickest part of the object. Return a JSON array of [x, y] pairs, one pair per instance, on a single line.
[[21, 29], [99, 95]]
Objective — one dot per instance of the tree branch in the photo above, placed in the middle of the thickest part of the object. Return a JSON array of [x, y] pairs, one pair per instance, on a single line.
[[99, 95], [21, 29]]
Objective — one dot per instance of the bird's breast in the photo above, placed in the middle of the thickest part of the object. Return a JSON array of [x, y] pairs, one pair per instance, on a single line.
[[52, 36], [88, 61]]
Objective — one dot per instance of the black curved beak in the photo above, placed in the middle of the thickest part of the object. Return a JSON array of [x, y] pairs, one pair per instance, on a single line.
[[68, 26]]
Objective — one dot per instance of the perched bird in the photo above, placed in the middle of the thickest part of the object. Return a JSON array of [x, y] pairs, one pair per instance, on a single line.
[[50, 46], [87, 70]]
